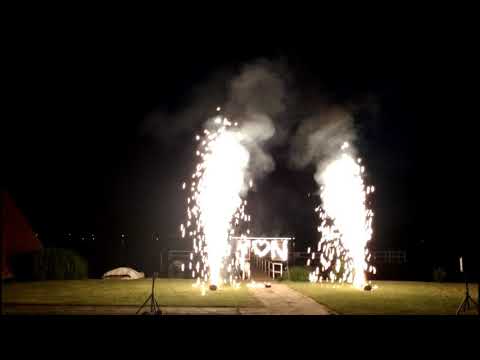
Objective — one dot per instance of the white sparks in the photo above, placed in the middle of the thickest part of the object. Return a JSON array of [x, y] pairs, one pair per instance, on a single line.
[[216, 198], [345, 222]]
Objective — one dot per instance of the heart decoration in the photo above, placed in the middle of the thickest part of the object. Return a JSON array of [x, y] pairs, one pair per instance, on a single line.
[[261, 247]]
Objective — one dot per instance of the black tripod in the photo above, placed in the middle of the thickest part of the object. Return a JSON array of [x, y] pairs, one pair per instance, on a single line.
[[468, 301], [154, 307]]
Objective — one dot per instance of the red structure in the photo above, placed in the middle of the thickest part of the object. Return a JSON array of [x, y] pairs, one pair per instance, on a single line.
[[17, 235]]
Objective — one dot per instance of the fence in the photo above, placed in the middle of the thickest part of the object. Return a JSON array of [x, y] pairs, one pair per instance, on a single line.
[[276, 268], [389, 257], [379, 257]]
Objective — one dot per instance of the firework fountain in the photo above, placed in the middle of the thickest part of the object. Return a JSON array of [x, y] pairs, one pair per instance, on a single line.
[[342, 254], [215, 208]]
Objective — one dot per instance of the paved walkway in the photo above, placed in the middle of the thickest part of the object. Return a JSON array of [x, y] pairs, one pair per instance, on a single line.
[[282, 300]]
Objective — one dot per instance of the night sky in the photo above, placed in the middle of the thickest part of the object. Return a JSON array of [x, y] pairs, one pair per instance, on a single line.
[[79, 161]]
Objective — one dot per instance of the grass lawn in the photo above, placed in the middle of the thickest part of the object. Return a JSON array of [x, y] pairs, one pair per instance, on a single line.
[[168, 292], [390, 298]]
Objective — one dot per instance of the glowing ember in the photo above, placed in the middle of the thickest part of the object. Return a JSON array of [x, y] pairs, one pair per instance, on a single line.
[[345, 223], [255, 285], [215, 207]]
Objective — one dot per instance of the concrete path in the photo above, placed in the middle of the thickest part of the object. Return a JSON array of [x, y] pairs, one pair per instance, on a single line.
[[282, 300]]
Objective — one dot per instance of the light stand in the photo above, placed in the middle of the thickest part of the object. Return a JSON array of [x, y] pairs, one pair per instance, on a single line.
[[154, 307], [468, 300]]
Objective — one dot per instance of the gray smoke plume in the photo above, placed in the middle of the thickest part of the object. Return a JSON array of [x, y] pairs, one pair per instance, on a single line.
[[258, 89], [320, 137], [254, 98]]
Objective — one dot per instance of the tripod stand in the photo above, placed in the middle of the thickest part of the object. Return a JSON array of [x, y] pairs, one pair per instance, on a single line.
[[468, 301], [154, 307]]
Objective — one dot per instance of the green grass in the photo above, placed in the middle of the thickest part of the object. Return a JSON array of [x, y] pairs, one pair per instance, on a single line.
[[168, 292], [390, 298]]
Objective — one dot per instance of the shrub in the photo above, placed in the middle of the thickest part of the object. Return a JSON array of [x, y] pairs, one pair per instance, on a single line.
[[296, 273], [50, 264], [23, 265]]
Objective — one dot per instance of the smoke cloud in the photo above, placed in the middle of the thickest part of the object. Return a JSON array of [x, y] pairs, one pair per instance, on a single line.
[[319, 138], [254, 97]]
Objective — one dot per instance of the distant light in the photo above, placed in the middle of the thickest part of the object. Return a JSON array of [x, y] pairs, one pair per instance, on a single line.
[[218, 108]]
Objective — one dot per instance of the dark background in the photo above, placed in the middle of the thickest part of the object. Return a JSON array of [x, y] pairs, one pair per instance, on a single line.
[[77, 161]]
